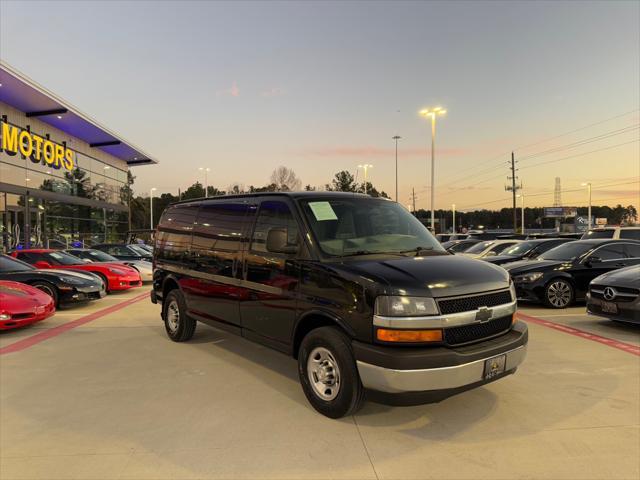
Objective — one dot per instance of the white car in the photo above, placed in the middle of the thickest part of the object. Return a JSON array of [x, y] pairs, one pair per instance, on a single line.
[[489, 248], [612, 232], [90, 255]]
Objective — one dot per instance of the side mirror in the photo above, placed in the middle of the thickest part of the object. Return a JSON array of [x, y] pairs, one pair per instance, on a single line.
[[490, 254], [42, 264], [277, 241], [87, 260]]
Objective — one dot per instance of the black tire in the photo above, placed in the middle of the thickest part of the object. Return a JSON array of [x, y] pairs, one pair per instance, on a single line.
[[104, 280], [50, 290], [180, 327], [347, 393], [559, 293]]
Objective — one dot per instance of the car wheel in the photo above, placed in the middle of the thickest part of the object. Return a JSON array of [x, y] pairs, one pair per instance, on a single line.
[[49, 289], [328, 373], [558, 293], [180, 327], [104, 280]]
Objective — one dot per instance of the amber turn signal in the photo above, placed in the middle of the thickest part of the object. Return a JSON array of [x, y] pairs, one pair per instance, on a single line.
[[409, 336]]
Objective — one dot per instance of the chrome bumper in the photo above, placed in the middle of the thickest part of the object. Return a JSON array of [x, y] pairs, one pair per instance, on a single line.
[[397, 381]]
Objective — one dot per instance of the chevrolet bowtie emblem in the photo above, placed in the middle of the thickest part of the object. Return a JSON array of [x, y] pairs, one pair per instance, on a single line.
[[484, 314]]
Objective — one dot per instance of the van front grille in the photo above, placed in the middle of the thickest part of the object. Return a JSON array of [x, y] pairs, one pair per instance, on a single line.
[[476, 331], [466, 304]]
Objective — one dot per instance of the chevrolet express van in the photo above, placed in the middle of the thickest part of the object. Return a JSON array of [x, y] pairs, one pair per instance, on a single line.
[[354, 287]]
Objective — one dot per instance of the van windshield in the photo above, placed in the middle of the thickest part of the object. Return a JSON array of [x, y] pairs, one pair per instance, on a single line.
[[360, 225]]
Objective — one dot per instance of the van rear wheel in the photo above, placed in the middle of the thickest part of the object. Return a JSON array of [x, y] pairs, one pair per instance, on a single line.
[[180, 327], [328, 373]]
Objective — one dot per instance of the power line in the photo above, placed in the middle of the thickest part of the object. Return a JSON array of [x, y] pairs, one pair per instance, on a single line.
[[554, 137]]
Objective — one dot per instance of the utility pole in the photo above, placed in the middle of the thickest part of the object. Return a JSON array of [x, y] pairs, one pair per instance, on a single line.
[[513, 189], [412, 198]]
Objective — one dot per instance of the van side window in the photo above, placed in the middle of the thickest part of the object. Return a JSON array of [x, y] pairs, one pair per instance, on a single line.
[[174, 232], [220, 226], [273, 214]]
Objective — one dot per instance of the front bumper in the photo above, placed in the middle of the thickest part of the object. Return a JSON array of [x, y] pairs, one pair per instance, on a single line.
[[124, 282], [421, 375], [627, 311], [82, 294]]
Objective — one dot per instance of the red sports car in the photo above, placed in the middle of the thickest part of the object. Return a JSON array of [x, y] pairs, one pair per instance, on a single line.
[[114, 275], [22, 305]]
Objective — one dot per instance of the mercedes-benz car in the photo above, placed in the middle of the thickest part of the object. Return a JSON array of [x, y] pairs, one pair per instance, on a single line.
[[125, 251], [527, 250], [616, 295], [64, 286], [562, 275]]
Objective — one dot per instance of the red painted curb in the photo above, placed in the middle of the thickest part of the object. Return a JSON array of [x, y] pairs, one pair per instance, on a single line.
[[55, 331], [625, 347]]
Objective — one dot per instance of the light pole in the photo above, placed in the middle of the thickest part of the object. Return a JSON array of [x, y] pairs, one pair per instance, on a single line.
[[453, 207], [521, 195], [366, 168], [396, 138], [206, 183], [588, 185], [151, 205], [433, 113]]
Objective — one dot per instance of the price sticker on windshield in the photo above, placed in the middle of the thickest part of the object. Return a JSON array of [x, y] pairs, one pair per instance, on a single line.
[[322, 211]]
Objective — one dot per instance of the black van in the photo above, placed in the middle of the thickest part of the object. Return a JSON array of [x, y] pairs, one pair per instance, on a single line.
[[354, 287]]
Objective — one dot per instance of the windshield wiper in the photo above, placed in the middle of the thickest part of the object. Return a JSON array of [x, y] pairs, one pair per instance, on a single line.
[[369, 252], [417, 250]]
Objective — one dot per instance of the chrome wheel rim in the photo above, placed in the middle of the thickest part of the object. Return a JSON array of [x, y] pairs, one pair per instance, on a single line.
[[46, 289], [559, 294], [323, 373], [173, 316]]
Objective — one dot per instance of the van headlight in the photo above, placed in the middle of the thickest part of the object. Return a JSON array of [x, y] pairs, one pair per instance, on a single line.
[[401, 306], [528, 277]]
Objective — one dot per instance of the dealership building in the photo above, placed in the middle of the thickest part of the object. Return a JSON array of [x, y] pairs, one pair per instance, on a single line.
[[63, 176]]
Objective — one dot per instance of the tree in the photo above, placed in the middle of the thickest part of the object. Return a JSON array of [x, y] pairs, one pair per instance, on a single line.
[[285, 179], [309, 188], [342, 181], [236, 189], [371, 190]]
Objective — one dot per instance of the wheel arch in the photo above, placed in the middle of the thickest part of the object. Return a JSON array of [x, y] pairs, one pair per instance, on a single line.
[[315, 319]]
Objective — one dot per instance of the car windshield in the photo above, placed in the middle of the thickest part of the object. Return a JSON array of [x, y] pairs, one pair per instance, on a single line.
[[8, 264], [567, 251], [98, 256], [365, 225], [138, 250], [61, 258], [598, 234], [479, 247], [519, 249]]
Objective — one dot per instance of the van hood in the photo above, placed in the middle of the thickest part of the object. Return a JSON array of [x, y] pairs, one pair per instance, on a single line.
[[430, 275]]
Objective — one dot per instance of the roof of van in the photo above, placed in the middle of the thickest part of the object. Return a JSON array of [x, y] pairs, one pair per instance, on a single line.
[[304, 194]]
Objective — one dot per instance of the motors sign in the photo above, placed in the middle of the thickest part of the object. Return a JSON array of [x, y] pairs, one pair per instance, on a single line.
[[36, 148], [560, 212]]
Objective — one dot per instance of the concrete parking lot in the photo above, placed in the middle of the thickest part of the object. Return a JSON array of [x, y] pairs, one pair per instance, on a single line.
[[100, 392]]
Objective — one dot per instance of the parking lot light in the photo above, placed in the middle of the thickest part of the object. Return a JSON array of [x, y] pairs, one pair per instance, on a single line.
[[588, 185], [151, 205], [366, 168], [433, 113], [206, 181]]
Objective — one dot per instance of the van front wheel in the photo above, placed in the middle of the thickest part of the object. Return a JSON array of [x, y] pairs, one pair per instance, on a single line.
[[328, 373], [179, 326]]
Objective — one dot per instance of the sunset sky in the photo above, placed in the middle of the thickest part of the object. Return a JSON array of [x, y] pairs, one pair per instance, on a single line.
[[321, 87]]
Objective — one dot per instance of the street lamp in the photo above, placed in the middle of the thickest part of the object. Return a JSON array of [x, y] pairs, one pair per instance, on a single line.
[[433, 113], [588, 185], [453, 208], [366, 168], [151, 204], [521, 196], [396, 138], [206, 183]]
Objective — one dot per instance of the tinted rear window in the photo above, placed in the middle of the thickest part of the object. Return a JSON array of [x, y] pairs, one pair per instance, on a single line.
[[220, 226], [630, 233], [598, 234]]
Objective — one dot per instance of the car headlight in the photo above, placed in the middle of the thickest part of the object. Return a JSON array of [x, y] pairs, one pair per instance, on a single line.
[[117, 271], [529, 277], [5, 316], [72, 280], [401, 306]]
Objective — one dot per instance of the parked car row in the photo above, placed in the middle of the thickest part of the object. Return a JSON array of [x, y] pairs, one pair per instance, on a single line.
[[65, 277], [559, 271]]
